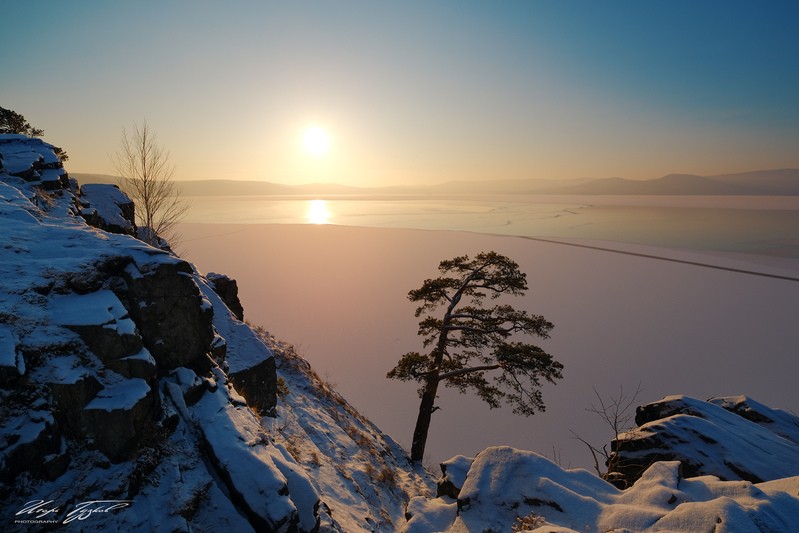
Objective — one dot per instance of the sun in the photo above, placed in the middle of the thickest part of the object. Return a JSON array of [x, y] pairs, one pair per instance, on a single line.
[[316, 141], [317, 212]]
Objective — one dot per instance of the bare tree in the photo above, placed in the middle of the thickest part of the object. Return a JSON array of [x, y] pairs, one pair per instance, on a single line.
[[145, 174], [617, 413]]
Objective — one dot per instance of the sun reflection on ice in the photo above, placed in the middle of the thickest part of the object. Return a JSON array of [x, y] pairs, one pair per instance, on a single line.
[[317, 212]]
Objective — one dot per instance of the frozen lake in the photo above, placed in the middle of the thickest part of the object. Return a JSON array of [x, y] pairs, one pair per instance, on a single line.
[[660, 318], [754, 225]]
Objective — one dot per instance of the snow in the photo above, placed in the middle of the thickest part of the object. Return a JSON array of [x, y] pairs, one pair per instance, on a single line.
[[244, 348], [8, 350], [67, 370], [123, 395], [779, 421], [20, 157], [729, 443], [361, 475], [455, 469], [143, 355], [504, 485], [430, 515], [247, 461], [93, 309], [106, 200]]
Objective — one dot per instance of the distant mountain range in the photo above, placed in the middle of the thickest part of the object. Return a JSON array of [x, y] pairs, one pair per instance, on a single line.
[[779, 182]]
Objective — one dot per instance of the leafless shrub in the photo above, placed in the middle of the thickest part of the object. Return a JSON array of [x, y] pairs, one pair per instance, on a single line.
[[529, 522], [387, 476], [617, 412]]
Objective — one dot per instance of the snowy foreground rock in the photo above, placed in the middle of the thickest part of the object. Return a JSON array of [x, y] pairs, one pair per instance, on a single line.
[[731, 438], [506, 488], [133, 399]]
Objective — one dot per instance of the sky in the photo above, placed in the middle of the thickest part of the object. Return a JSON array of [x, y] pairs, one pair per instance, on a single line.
[[412, 92]]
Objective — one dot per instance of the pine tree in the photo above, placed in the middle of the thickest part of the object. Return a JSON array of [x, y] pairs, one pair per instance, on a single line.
[[475, 347]]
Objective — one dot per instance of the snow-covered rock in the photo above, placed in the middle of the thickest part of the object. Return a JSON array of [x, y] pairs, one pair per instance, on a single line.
[[33, 160], [732, 438], [512, 490], [363, 477], [108, 208]]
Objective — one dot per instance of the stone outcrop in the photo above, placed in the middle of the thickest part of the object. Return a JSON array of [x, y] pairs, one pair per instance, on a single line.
[[106, 207], [164, 301], [31, 442], [733, 438], [453, 475], [252, 371], [32, 160], [228, 290], [120, 416], [96, 328]]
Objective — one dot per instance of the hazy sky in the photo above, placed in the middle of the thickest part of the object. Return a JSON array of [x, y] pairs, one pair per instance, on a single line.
[[412, 92]]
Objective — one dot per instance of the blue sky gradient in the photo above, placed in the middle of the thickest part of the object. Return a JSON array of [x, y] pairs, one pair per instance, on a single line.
[[413, 92]]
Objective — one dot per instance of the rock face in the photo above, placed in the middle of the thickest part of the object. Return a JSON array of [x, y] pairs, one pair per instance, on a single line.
[[733, 438], [105, 355], [165, 302]]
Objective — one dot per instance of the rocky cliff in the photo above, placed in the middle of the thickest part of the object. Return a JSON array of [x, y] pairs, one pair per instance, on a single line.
[[133, 398]]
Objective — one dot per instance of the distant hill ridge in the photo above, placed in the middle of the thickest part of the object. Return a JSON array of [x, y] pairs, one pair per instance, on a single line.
[[774, 182]]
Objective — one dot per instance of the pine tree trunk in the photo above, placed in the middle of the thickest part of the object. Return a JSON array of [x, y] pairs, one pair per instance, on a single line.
[[423, 420]]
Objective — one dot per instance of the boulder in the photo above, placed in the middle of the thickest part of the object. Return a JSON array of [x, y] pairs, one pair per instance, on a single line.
[[258, 384], [228, 290], [516, 490], [106, 207], [103, 323], [708, 438], [27, 442], [453, 476], [27, 157], [139, 365], [249, 362], [72, 386], [166, 305], [120, 416]]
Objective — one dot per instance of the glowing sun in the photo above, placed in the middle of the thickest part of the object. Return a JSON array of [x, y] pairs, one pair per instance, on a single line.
[[316, 141]]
